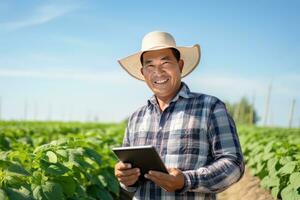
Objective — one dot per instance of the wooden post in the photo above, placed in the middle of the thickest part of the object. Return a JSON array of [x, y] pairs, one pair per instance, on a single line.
[[252, 110], [292, 113]]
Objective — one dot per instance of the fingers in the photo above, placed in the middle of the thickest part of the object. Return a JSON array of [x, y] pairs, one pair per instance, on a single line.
[[120, 165], [158, 175], [125, 174], [170, 182], [128, 177], [161, 179], [129, 180]]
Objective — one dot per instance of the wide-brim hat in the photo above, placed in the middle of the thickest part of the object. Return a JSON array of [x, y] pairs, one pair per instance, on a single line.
[[157, 40]]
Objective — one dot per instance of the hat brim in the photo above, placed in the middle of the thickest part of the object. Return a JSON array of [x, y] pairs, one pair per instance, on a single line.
[[190, 56]]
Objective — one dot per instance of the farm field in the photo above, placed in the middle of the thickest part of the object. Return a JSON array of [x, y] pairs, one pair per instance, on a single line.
[[272, 155], [55, 160], [58, 160]]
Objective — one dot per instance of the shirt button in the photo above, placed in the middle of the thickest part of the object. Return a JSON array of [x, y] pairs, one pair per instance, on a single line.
[[160, 128]]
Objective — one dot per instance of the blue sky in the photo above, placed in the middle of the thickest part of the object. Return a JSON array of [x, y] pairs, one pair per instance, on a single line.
[[58, 59]]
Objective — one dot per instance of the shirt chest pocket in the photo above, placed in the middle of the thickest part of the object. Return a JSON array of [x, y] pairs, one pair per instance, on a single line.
[[141, 134], [140, 138], [188, 141], [187, 149]]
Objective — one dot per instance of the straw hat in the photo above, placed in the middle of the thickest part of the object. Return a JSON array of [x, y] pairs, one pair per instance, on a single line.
[[157, 40]]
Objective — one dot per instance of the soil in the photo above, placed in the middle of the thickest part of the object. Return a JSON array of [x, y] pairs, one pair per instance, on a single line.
[[248, 188]]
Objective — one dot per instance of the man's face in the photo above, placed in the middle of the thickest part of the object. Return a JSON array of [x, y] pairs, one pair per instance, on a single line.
[[162, 73]]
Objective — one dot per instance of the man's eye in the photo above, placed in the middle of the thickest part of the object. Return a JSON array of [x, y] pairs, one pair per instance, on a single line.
[[149, 66]]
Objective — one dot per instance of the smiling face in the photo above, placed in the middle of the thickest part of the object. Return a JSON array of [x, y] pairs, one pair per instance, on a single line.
[[162, 73]]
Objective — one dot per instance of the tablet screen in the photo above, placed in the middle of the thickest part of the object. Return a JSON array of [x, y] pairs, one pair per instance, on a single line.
[[145, 158]]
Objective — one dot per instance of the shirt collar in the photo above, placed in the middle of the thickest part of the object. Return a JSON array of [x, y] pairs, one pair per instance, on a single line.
[[184, 92]]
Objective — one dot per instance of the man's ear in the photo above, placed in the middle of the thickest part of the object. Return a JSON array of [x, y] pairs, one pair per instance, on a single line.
[[181, 63], [142, 72]]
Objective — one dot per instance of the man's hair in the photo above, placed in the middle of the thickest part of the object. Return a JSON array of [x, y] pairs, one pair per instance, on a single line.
[[175, 52]]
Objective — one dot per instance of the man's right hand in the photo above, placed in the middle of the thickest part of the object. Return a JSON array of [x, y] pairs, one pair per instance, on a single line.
[[125, 174]]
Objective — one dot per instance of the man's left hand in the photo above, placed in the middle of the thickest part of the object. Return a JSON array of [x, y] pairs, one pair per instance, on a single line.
[[170, 182]]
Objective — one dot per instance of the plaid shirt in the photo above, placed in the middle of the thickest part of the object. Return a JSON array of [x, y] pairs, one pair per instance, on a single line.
[[194, 134]]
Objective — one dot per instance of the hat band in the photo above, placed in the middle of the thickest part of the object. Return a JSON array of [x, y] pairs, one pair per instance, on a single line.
[[158, 47]]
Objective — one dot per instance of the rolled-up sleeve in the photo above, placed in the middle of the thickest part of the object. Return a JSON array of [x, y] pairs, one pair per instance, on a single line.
[[227, 166]]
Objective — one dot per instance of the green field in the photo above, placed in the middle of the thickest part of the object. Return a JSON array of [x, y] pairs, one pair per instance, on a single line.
[[273, 154], [53, 160], [58, 160]]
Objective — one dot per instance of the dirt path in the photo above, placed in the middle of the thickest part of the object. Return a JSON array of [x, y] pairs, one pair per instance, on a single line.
[[247, 188]]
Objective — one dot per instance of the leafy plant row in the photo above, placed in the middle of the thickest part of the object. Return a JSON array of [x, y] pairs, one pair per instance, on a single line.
[[58, 161], [273, 154]]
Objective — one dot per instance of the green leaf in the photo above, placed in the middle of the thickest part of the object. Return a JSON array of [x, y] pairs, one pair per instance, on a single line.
[[61, 142], [102, 180], [288, 168], [99, 193], [275, 191], [289, 193], [3, 195], [42, 148], [93, 155], [260, 166], [51, 157], [25, 192], [285, 160], [57, 169], [268, 156], [53, 191], [103, 194], [4, 143], [36, 177], [38, 193], [269, 182], [269, 147], [79, 162], [113, 184], [17, 169], [80, 190], [18, 194], [272, 166], [62, 153], [68, 185], [44, 164], [295, 180]]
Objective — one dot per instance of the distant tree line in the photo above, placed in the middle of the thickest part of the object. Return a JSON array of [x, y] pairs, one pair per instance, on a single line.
[[243, 112]]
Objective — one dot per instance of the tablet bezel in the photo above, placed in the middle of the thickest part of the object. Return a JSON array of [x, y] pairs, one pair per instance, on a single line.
[[135, 155]]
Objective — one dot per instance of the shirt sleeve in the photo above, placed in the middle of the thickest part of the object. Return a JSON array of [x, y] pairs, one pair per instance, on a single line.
[[126, 142], [227, 166]]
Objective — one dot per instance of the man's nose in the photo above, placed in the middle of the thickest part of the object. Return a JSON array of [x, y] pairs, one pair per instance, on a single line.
[[158, 68]]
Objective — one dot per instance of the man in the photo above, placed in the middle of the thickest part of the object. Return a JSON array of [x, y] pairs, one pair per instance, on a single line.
[[193, 133]]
